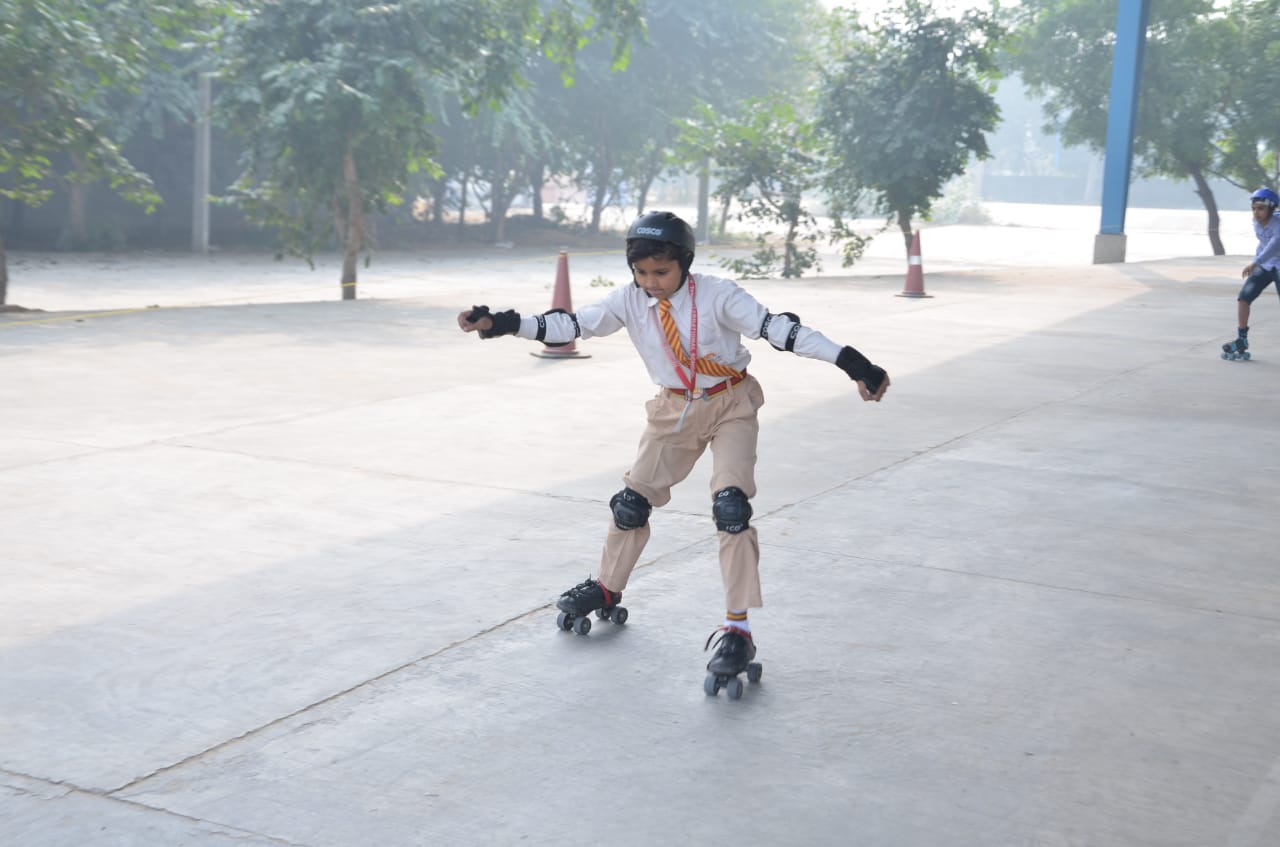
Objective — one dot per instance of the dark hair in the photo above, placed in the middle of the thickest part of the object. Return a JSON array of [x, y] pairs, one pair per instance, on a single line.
[[662, 235], [647, 248]]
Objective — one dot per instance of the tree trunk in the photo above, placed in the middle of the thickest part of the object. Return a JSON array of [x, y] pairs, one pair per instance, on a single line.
[[904, 224], [77, 206], [354, 235], [4, 273], [439, 196], [1210, 206], [499, 204], [500, 196], [603, 177], [536, 180], [789, 269], [643, 186], [600, 194], [703, 227], [462, 208]]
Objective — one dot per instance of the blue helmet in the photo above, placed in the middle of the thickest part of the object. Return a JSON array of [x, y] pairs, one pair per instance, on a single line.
[[1266, 195]]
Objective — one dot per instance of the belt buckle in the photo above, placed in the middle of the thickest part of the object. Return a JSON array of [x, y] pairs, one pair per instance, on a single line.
[[694, 394]]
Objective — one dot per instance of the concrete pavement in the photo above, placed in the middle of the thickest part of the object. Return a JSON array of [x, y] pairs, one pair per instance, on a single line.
[[281, 574]]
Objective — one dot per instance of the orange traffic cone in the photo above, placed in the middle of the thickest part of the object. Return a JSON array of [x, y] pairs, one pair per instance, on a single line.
[[560, 299], [915, 271]]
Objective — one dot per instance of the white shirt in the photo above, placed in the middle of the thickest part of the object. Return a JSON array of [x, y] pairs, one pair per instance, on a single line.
[[726, 312]]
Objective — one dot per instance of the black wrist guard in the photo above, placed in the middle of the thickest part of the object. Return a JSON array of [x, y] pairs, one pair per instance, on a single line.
[[504, 323], [860, 369]]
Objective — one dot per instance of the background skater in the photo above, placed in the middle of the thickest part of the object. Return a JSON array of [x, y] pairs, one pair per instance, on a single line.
[[687, 328], [1259, 273]]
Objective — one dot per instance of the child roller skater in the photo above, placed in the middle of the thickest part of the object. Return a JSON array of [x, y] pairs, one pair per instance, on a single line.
[[687, 328], [1259, 273]]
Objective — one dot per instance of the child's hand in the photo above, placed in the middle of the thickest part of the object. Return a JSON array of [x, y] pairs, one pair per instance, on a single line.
[[880, 390], [482, 322], [1248, 269]]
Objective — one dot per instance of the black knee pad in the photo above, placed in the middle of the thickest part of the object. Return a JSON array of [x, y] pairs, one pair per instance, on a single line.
[[630, 509], [732, 509]]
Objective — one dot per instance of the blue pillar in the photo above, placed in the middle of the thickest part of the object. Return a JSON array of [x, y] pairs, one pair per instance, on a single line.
[[1122, 114]]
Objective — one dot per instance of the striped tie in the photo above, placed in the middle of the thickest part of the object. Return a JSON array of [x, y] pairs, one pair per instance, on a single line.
[[705, 365]]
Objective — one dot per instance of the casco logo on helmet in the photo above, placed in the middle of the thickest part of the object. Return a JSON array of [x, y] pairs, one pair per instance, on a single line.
[[648, 230]]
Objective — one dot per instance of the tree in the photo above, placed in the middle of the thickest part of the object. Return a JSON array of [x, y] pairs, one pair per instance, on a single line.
[[333, 97], [623, 122], [904, 105], [1249, 145], [60, 63], [768, 163], [1063, 50]]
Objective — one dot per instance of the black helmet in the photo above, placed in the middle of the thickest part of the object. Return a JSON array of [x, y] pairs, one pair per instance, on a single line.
[[665, 227]]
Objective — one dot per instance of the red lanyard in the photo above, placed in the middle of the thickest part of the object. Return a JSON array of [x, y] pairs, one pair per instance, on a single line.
[[690, 381]]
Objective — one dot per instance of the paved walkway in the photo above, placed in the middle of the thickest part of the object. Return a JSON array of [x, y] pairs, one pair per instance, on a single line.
[[281, 574]]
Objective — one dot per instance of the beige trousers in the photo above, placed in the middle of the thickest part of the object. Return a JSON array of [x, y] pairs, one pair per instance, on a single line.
[[727, 423]]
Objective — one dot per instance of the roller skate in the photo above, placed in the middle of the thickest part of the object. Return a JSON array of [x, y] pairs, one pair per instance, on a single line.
[[1236, 350], [734, 651], [577, 604]]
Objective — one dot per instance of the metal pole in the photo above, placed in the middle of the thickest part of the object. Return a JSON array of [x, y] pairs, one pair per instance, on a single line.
[[1122, 114], [200, 184]]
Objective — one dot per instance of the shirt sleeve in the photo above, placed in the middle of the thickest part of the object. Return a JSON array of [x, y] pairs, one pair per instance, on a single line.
[[1268, 245], [746, 314], [602, 318]]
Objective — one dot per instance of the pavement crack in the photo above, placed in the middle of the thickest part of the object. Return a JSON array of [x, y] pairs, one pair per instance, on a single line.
[[66, 789], [335, 696]]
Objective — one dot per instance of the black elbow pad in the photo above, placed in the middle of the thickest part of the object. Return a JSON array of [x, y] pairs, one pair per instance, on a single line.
[[790, 344]]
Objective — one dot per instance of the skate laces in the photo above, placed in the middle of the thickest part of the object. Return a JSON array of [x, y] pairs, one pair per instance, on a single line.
[[588, 588], [725, 632]]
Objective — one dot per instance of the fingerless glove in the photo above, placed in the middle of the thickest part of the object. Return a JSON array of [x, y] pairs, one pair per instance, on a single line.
[[860, 369], [504, 323]]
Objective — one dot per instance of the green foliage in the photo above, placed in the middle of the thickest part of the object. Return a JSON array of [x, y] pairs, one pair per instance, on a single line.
[[621, 124], [1200, 109], [1249, 143], [904, 106], [65, 67], [768, 161], [334, 98], [1064, 52], [767, 263]]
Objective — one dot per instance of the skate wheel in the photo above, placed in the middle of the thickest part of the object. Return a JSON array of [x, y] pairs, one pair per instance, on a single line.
[[1245, 355], [582, 625], [711, 685], [733, 688], [1226, 355], [619, 615], [753, 672], [564, 621]]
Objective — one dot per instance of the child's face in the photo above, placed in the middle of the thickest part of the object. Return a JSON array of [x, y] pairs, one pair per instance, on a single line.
[[1261, 211], [659, 277]]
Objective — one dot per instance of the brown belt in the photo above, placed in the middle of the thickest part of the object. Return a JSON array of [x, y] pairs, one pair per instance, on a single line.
[[718, 388]]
